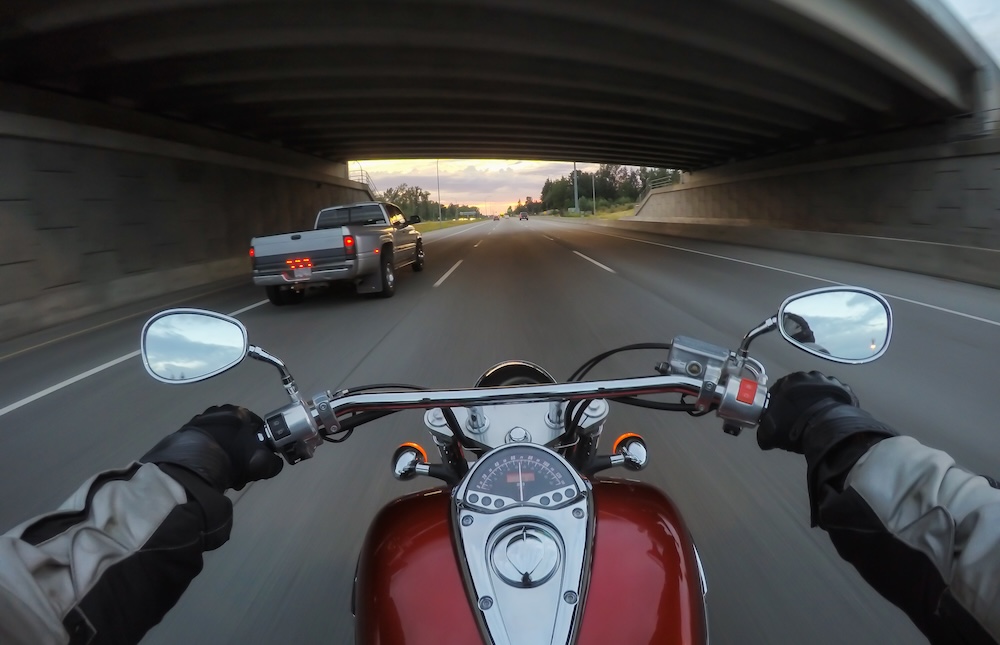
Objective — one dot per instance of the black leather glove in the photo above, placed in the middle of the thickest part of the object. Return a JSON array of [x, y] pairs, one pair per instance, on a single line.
[[221, 446], [794, 400]]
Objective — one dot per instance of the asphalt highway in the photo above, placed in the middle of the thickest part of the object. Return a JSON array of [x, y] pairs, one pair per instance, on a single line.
[[549, 291]]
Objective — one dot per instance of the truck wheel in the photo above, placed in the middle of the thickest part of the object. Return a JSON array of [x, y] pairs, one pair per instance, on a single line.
[[388, 275], [418, 264], [280, 297]]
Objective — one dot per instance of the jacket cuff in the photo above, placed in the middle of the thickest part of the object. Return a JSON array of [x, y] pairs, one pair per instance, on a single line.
[[833, 441], [216, 508]]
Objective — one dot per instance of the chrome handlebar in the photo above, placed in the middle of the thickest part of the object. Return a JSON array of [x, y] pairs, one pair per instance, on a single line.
[[298, 428]]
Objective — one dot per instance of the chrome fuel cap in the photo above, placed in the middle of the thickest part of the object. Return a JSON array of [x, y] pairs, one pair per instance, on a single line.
[[525, 555]]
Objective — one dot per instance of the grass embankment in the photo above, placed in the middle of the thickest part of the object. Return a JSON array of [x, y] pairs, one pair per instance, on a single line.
[[628, 212], [425, 227], [615, 214]]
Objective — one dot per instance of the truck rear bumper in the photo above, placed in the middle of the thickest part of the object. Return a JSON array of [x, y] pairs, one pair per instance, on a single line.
[[359, 268]]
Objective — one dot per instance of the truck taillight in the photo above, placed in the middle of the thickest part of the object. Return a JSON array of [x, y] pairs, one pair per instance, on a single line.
[[299, 263], [251, 251], [349, 246]]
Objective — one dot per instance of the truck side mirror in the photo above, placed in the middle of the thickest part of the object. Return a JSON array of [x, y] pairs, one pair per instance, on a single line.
[[414, 219]]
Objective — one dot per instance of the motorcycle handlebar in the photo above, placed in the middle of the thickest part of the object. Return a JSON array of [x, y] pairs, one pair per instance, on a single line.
[[296, 430], [427, 399]]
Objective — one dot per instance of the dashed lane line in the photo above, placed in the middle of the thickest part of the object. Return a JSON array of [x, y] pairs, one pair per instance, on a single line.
[[445, 276]]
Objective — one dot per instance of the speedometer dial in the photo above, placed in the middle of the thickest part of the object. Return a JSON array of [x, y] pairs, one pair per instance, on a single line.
[[521, 475]]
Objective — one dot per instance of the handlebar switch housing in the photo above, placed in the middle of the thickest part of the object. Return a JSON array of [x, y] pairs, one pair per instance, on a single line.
[[698, 359], [742, 403], [293, 432]]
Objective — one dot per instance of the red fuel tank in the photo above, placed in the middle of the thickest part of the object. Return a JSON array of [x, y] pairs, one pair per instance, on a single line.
[[644, 586]]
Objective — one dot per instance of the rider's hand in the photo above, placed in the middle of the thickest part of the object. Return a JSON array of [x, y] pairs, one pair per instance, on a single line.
[[794, 400], [220, 445]]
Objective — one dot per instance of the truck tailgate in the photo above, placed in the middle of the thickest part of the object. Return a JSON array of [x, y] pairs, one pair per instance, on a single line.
[[298, 255], [298, 243]]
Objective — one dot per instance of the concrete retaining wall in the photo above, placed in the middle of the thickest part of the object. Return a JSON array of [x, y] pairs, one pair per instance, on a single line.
[[84, 228], [968, 264], [932, 209]]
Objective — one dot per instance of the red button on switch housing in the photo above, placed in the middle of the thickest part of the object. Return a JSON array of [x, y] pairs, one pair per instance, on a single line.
[[748, 391]]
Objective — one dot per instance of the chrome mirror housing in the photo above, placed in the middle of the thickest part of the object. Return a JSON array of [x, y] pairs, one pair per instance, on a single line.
[[842, 324], [189, 345]]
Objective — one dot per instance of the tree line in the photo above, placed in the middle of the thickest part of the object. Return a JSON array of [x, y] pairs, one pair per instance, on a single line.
[[614, 185], [414, 200]]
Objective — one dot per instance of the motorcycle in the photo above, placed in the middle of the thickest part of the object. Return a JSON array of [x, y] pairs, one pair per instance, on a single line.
[[523, 543]]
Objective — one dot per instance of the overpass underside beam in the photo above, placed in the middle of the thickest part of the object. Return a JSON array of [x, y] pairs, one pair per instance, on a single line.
[[746, 78]]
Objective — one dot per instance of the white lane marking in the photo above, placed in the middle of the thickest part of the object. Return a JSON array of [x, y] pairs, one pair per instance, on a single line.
[[461, 229], [445, 276], [476, 245], [995, 323], [248, 308], [96, 370], [549, 238], [962, 314], [70, 381], [606, 268], [111, 322]]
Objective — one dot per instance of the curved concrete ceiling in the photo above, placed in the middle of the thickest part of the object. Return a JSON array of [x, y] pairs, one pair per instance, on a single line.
[[673, 83]]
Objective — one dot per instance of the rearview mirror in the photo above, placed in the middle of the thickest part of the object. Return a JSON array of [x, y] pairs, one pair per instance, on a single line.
[[414, 219], [188, 345], [841, 324]]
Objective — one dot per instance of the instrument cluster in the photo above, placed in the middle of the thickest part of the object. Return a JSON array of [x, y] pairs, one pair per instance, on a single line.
[[523, 475]]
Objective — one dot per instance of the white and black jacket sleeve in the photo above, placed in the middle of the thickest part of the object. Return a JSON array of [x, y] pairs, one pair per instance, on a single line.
[[922, 531], [112, 560]]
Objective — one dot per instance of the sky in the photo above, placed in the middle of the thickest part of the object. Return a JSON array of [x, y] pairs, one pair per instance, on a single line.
[[494, 184]]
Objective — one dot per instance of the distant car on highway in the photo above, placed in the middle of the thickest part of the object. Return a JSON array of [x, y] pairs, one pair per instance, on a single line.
[[496, 218], [523, 215]]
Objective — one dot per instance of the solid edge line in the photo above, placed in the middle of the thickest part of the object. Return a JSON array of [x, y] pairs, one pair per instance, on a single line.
[[961, 314], [95, 370], [606, 268], [70, 381], [111, 322], [445, 276]]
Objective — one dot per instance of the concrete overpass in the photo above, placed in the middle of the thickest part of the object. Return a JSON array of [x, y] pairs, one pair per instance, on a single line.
[[143, 143]]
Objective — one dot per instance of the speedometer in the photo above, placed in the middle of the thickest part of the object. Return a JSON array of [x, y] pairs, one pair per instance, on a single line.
[[521, 475]]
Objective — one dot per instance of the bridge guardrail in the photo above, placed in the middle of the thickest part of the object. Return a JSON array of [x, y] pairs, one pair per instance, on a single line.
[[361, 176], [659, 182]]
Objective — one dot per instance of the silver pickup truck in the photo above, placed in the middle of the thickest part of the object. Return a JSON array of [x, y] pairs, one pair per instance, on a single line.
[[362, 243]]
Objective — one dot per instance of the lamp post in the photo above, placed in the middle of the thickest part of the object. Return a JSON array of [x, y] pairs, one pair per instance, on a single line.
[[437, 166], [593, 188], [576, 192]]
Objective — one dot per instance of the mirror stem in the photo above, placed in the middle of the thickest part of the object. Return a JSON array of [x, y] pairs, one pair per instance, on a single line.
[[768, 325], [286, 377]]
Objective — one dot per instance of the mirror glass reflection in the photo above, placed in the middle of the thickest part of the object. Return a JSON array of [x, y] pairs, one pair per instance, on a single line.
[[186, 347], [845, 325]]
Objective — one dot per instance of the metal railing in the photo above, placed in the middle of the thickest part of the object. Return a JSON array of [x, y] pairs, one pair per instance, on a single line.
[[361, 176], [659, 182]]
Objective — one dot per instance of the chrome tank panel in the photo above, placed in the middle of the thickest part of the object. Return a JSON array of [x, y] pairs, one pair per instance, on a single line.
[[644, 587]]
